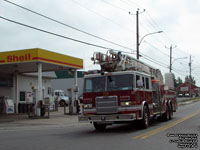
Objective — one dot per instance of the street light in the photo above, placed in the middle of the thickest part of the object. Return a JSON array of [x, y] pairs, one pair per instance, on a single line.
[[149, 34], [179, 58], [138, 43], [176, 60]]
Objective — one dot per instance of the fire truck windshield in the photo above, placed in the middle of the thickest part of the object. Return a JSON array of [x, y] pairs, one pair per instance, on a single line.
[[109, 83], [120, 82], [95, 84]]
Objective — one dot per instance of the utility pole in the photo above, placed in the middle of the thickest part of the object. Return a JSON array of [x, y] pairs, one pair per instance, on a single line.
[[190, 66], [190, 77], [170, 62], [170, 66], [137, 33]]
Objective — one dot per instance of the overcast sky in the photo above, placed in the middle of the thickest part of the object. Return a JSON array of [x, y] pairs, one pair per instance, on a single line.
[[109, 19]]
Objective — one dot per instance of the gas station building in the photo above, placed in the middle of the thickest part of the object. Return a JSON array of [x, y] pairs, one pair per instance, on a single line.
[[18, 85]]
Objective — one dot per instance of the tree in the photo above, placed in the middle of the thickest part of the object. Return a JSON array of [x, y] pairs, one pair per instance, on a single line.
[[178, 81], [190, 79]]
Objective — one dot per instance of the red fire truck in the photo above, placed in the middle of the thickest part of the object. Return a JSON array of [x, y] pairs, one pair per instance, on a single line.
[[124, 90]]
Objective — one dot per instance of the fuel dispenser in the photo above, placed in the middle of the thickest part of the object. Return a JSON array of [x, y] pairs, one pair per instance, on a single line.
[[70, 101], [6, 105]]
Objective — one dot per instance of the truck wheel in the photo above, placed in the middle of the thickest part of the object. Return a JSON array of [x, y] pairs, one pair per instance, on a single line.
[[170, 112], [62, 103], [166, 115], [145, 119], [99, 127]]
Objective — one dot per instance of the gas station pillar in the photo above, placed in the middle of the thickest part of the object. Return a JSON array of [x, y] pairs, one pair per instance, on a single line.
[[39, 97]]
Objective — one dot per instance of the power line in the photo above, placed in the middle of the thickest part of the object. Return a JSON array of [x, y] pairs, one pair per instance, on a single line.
[[156, 48], [183, 71], [126, 11], [130, 3], [164, 65], [75, 40], [58, 35], [151, 20], [91, 44], [153, 23], [154, 60], [115, 6], [179, 73], [59, 22], [98, 14], [148, 30]]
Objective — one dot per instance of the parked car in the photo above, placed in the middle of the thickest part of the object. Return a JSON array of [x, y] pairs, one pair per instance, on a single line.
[[194, 95], [180, 95], [187, 95], [61, 98]]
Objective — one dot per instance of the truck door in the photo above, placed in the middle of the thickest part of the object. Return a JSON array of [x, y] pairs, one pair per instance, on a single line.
[[140, 88], [148, 89]]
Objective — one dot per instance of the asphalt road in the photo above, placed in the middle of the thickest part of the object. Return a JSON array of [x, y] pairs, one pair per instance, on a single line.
[[81, 136]]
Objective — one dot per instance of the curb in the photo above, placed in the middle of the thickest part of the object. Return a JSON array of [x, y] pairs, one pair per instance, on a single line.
[[188, 102]]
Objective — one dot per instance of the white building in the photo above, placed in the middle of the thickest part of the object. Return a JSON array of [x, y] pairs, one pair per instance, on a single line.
[[26, 84]]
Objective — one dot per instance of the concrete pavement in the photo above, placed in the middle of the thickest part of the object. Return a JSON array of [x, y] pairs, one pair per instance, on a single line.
[[56, 118]]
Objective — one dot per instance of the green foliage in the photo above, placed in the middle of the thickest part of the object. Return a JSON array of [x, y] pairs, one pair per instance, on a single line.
[[178, 82], [190, 79]]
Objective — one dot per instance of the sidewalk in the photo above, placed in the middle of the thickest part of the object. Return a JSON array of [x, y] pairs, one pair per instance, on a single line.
[[56, 118]]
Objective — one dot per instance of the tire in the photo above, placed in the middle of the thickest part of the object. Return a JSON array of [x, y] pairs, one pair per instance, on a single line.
[[99, 127], [62, 103], [170, 112], [166, 115], [145, 119]]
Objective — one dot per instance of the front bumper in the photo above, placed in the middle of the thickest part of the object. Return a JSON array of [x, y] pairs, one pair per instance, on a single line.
[[107, 118]]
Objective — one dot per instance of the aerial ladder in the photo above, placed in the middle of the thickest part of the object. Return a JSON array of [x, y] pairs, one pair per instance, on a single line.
[[114, 61]]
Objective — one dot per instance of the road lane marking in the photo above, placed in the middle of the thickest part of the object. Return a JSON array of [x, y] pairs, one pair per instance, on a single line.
[[155, 131]]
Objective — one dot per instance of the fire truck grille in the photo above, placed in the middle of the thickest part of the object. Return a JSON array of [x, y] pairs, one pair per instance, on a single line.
[[106, 105]]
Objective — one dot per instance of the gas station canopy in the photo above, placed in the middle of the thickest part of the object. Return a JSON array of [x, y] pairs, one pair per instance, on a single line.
[[23, 61], [38, 60]]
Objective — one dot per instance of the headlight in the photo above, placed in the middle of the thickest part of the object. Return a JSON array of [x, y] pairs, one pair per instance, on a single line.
[[126, 103], [87, 106]]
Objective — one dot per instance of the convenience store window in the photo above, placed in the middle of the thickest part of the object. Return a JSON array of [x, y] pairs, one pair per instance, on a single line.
[[22, 97]]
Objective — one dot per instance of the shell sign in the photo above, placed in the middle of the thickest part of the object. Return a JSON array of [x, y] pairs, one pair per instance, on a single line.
[[14, 58], [33, 55]]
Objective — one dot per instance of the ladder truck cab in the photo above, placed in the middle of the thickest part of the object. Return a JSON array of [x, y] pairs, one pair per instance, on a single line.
[[124, 90]]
